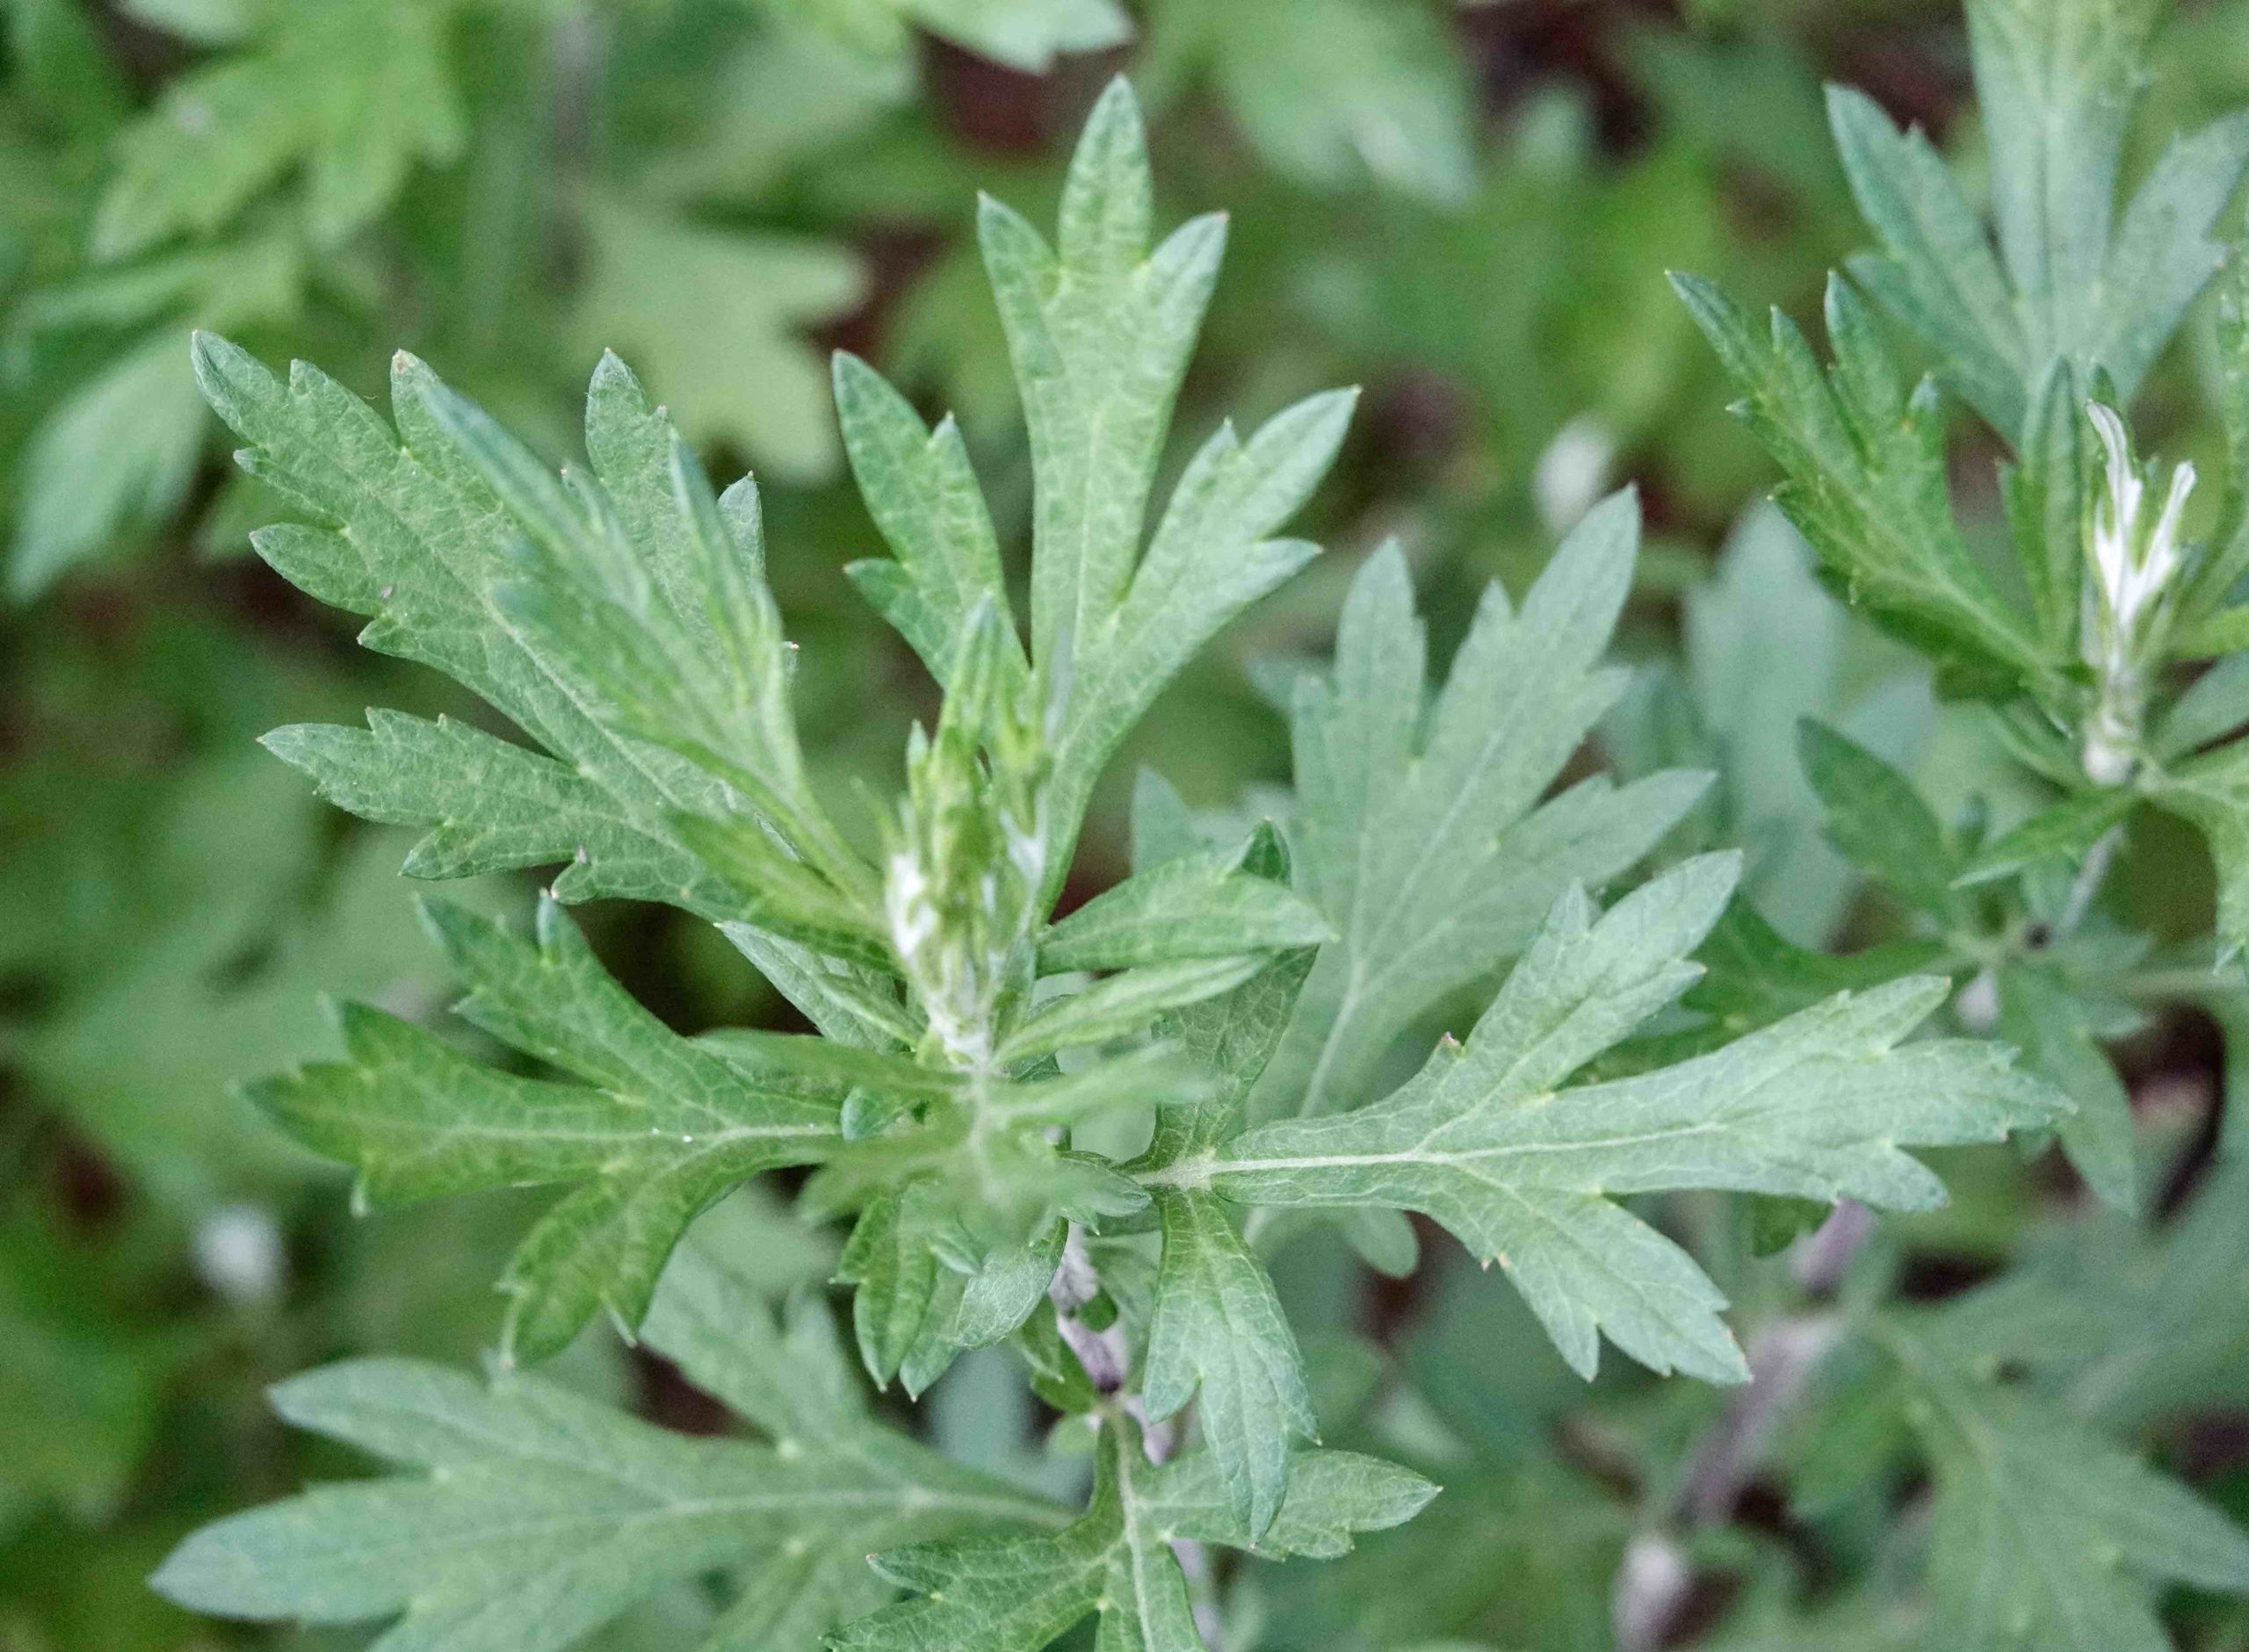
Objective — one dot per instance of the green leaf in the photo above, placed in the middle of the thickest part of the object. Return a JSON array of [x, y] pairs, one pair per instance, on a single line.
[[1193, 907], [1218, 1332], [622, 623], [2045, 500], [1527, 1172], [2214, 706], [2165, 251], [657, 1128], [1335, 91], [2045, 1536], [717, 317], [2224, 632], [1867, 485], [490, 805], [1423, 837], [352, 97], [1099, 327], [1118, 1005], [2056, 81], [1231, 1037], [1765, 648], [1938, 272], [1018, 1594], [926, 1291], [2065, 831], [922, 494], [2041, 1017], [1756, 976], [1023, 34], [112, 458], [541, 1515], [2211, 584], [1878, 819]]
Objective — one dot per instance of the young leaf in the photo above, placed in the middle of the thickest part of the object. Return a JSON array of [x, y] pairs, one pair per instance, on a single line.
[[2065, 831], [2043, 1535], [921, 1299], [922, 493], [1017, 1594], [1938, 272], [354, 96], [640, 606], [1118, 1005], [1194, 906], [1099, 327], [1878, 819], [539, 1515], [1423, 839], [1866, 485], [2045, 497], [2039, 1017], [1219, 1331], [1488, 1140], [658, 1128]]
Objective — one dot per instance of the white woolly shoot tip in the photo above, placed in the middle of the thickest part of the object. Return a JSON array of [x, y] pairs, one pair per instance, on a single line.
[[2132, 571]]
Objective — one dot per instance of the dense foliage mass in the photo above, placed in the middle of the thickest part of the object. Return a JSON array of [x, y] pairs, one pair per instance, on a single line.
[[1020, 1200]]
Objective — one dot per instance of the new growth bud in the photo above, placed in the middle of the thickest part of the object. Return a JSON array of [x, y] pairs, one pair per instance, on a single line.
[[2135, 562], [968, 851]]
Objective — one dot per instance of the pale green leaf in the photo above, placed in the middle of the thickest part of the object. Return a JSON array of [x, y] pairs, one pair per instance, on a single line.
[[1023, 34], [2045, 497], [1118, 1005], [2055, 81], [1334, 92], [1938, 272], [491, 806], [1219, 1337], [1421, 837], [541, 1515], [620, 621], [922, 493], [2067, 831], [1016, 1595], [2042, 1018], [1195, 905], [350, 96], [656, 1128], [1878, 819], [2045, 1536], [1867, 484], [1489, 1140], [717, 318], [112, 458], [1099, 325]]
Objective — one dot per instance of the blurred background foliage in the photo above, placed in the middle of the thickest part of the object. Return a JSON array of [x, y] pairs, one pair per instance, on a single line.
[[1466, 209]]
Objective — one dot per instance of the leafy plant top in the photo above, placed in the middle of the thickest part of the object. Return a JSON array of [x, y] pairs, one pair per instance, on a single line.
[[968, 1104]]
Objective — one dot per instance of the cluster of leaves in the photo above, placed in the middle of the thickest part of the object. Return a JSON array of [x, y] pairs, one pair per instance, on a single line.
[[2085, 648], [290, 174], [1131, 1150], [1238, 998], [502, 182]]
